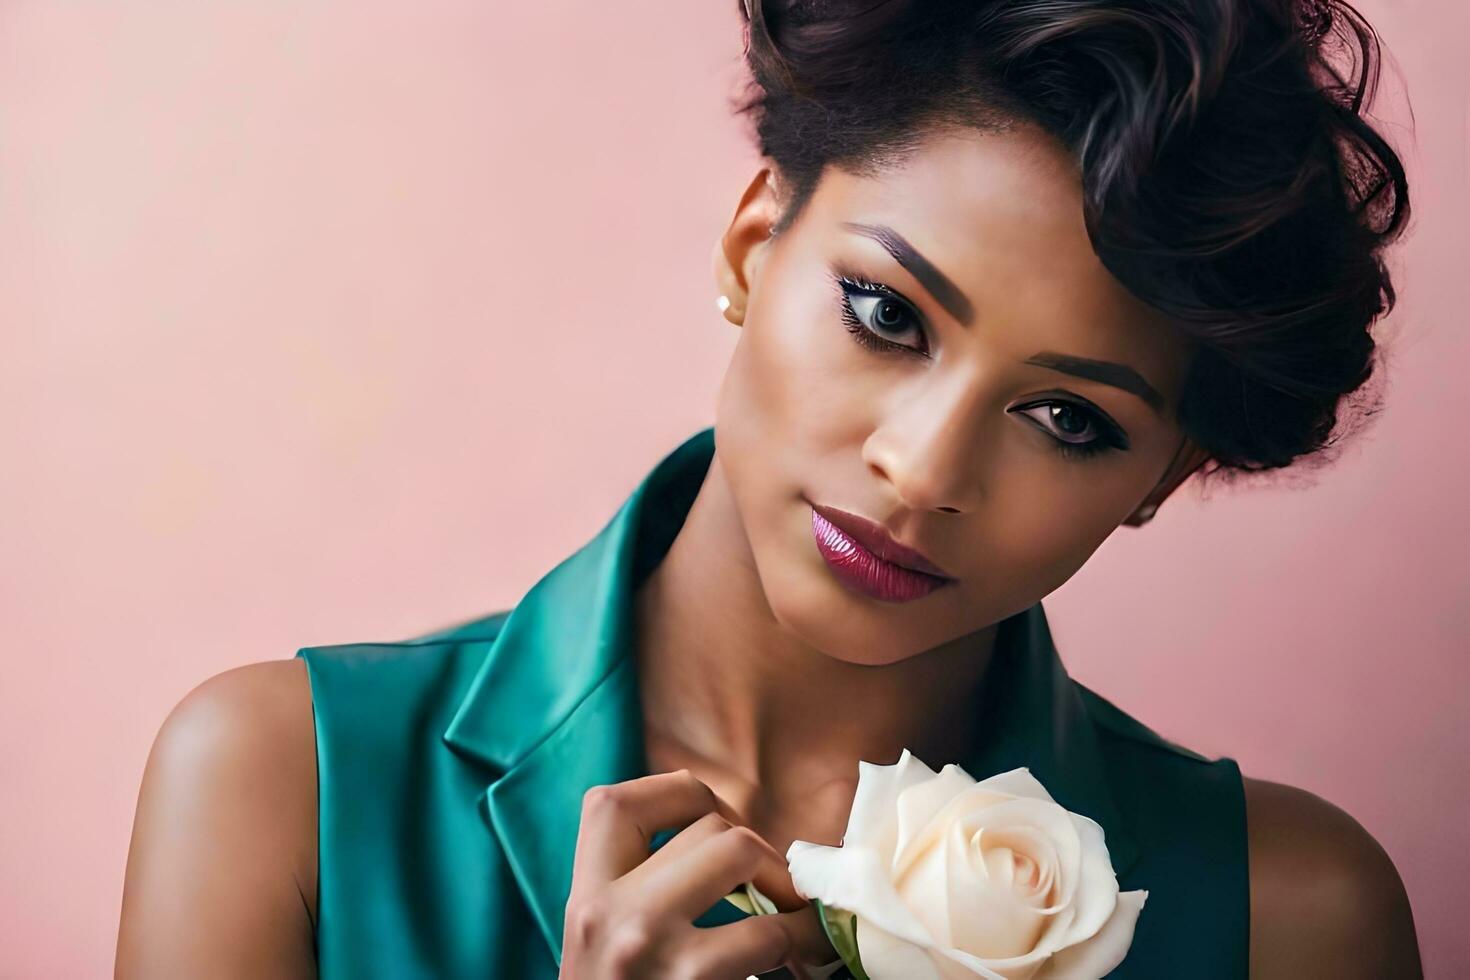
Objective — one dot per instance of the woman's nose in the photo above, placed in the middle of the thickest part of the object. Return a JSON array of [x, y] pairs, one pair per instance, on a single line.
[[930, 449]]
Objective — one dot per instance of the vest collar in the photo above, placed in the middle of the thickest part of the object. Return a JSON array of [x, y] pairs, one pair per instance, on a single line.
[[554, 708]]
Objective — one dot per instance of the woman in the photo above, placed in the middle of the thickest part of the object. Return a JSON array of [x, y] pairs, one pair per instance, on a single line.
[[1012, 273]]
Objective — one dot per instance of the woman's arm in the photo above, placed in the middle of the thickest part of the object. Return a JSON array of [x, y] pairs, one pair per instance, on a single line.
[[221, 873], [1326, 900]]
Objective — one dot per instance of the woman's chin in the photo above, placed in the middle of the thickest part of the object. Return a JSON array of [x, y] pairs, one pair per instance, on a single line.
[[828, 621]]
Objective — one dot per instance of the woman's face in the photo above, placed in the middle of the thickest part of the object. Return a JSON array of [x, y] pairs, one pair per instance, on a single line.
[[925, 389]]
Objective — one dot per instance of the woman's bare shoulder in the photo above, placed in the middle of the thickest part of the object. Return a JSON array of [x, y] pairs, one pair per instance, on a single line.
[[221, 873], [1326, 899]]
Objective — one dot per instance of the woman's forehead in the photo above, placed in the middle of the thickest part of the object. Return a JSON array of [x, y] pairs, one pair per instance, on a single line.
[[1006, 201]]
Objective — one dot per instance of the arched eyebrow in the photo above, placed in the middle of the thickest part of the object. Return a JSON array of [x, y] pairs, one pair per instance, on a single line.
[[1104, 372], [940, 286]]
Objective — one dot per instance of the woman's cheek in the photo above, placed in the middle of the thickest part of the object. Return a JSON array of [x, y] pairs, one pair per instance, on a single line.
[[808, 381], [1053, 506], [774, 362]]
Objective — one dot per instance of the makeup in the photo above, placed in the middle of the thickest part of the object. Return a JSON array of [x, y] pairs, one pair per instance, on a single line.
[[864, 558]]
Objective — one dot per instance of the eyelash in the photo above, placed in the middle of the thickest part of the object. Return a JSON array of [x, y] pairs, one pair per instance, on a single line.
[[1110, 437], [850, 282]]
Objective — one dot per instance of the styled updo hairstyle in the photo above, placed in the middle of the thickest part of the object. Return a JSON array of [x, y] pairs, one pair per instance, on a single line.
[[1229, 178]]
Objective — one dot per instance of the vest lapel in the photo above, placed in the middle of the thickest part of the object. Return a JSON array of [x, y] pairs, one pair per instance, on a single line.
[[554, 708]]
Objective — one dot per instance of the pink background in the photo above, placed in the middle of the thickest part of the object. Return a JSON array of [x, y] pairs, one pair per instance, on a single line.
[[334, 322]]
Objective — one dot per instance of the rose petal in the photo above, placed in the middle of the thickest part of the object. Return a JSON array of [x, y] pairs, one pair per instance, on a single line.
[[887, 957], [951, 970], [917, 804], [856, 879], [1038, 816], [1011, 968], [1017, 782], [987, 915], [1096, 891], [968, 802], [873, 821], [1056, 916], [923, 887], [1023, 859], [1098, 956]]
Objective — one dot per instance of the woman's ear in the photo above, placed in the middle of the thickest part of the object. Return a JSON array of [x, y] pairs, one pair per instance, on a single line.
[[1187, 459], [738, 251]]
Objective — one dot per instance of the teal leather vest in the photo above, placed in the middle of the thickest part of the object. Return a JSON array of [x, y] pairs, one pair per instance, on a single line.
[[451, 770]]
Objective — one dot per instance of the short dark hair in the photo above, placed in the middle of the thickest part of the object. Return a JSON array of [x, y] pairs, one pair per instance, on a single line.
[[1230, 179]]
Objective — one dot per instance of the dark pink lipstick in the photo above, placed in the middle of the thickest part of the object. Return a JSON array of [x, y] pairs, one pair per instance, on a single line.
[[865, 558]]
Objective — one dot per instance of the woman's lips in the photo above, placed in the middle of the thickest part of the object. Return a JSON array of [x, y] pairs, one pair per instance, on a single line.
[[876, 539], [858, 567]]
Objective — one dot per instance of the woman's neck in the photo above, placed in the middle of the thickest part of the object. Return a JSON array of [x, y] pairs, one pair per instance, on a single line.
[[764, 717]]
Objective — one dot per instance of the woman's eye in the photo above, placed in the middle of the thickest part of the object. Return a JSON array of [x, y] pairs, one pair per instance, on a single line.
[[1077, 430], [876, 316]]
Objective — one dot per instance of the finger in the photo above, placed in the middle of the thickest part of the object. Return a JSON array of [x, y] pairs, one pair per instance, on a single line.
[[619, 820], [690, 837], [688, 883], [760, 944], [773, 881]]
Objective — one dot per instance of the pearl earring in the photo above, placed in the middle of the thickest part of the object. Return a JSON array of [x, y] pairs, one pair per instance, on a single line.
[[723, 302]]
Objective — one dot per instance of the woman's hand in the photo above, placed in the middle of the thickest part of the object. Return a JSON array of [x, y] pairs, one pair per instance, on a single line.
[[630, 914]]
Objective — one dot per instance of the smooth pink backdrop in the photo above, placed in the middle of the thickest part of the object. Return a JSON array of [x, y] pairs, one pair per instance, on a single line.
[[336, 322]]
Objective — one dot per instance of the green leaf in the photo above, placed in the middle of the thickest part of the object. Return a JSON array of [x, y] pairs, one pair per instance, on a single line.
[[841, 928]]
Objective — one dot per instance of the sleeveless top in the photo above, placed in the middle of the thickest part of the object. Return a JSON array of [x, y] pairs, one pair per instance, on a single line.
[[451, 769]]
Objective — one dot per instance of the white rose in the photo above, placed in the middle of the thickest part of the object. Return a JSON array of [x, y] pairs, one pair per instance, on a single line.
[[950, 878]]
